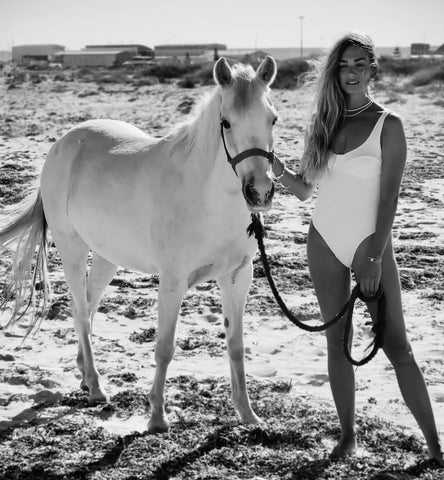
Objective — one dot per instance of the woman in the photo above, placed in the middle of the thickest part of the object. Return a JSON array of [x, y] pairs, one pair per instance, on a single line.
[[355, 150]]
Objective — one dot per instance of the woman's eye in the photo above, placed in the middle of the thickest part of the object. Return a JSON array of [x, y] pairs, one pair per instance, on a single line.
[[226, 124], [274, 121]]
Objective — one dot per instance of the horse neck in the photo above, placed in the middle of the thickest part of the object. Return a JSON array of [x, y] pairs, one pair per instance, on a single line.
[[197, 146], [198, 138]]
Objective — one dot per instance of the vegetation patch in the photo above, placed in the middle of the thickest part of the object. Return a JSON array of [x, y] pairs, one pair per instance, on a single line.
[[206, 441]]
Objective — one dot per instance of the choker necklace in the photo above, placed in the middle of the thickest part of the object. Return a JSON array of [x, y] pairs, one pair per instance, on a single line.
[[351, 112]]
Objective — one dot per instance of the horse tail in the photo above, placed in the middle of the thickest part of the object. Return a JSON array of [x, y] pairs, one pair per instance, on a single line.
[[26, 226]]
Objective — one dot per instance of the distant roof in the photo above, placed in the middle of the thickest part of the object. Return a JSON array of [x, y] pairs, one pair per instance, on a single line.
[[27, 45], [92, 52], [193, 45], [440, 50], [119, 46]]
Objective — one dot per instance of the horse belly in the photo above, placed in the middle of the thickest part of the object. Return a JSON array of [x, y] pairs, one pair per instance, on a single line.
[[112, 225]]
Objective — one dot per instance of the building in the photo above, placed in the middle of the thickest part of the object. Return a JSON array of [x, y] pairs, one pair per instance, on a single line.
[[95, 58], [420, 49], [35, 54], [135, 49], [5, 56], [106, 55], [439, 50], [198, 52], [244, 55]]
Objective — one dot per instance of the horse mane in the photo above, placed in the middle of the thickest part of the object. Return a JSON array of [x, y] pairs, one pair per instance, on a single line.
[[202, 131]]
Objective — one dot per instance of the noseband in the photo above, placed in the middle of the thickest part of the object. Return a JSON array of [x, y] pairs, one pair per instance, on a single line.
[[252, 152]]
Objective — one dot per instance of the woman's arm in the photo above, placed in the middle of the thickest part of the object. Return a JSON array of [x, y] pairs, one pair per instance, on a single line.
[[394, 153], [292, 181]]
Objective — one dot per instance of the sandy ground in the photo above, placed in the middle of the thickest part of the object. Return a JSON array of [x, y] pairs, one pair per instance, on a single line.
[[43, 367]]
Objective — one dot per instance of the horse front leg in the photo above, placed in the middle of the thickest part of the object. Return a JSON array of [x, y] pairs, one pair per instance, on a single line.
[[234, 288], [169, 301]]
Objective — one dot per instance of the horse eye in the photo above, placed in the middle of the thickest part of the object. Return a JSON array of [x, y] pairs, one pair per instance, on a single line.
[[226, 124], [274, 121]]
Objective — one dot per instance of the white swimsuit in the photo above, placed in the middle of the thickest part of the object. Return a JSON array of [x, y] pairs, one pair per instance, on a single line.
[[348, 196]]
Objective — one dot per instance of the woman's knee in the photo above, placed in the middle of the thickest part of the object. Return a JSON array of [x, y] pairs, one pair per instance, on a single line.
[[335, 342], [399, 354]]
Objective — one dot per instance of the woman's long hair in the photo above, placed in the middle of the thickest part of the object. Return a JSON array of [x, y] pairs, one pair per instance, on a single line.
[[329, 107]]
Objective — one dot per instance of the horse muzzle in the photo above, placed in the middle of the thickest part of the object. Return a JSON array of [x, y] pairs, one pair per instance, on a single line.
[[258, 197]]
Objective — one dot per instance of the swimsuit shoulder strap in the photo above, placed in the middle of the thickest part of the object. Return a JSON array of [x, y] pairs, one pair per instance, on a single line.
[[377, 129]]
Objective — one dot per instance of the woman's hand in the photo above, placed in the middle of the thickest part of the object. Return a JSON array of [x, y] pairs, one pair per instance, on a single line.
[[370, 277], [278, 167], [291, 181]]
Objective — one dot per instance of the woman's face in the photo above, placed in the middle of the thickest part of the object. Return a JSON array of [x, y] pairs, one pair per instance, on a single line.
[[355, 70]]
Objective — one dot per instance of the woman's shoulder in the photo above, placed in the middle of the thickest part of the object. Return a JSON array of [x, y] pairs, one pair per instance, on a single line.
[[392, 128], [392, 122], [391, 117]]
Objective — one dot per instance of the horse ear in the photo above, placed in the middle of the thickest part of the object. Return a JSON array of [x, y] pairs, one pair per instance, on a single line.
[[266, 72], [222, 72]]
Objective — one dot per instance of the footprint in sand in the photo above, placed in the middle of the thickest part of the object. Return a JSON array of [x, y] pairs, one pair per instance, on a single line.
[[210, 318], [318, 379], [267, 349], [262, 370]]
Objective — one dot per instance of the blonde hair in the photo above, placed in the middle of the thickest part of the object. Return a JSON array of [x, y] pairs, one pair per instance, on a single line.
[[329, 106]]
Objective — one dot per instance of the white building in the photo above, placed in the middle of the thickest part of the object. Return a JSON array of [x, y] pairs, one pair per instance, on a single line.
[[200, 52], [136, 50], [95, 58], [38, 53]]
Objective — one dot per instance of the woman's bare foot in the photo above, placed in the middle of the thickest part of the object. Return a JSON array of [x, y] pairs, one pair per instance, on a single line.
[[437, 455], [346, 446]]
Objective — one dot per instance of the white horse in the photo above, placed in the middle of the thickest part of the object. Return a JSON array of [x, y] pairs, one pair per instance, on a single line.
[[171, 206]]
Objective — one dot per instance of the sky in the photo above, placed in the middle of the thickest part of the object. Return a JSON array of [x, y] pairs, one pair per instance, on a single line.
[[236, 23]]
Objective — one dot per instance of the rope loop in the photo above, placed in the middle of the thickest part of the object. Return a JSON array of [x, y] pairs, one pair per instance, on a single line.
[[257, 228]]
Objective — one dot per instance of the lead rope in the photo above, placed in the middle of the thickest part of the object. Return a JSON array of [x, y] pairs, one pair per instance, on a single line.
[[258, 230]]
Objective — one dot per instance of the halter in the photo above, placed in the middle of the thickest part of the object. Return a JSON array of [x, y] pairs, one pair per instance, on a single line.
[[252, 152]]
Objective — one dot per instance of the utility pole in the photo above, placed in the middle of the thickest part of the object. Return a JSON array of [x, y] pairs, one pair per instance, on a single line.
[[302, 35]]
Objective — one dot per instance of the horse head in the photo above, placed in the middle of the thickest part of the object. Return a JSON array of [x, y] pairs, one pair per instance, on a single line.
[[247, 119]]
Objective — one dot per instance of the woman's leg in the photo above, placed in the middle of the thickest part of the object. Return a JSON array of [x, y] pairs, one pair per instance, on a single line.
[[331, 280], [398, 350]]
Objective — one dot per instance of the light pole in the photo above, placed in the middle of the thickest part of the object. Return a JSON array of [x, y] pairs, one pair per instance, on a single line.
[[302, 35]]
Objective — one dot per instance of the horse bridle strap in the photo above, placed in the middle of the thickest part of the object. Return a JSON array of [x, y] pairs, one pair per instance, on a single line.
[[252, 152]]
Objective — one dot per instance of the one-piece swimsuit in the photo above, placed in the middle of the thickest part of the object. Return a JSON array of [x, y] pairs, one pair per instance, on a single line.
[[348, 196]]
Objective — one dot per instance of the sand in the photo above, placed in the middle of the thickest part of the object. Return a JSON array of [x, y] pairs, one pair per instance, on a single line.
[[43, 367]]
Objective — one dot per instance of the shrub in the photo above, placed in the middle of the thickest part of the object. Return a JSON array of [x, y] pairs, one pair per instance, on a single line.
[[290, 73], [61, 77], [115, 76], [203, 74], [82, 72], [428, 76], [145, 81], [406, 66], [169, 71], [187, 82]]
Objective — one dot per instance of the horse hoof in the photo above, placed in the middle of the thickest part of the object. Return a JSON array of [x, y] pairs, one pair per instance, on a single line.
[[158, 427], [84, 386], [92, 402], [252, 419], [98, 397]]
